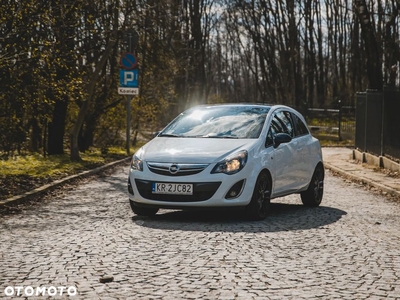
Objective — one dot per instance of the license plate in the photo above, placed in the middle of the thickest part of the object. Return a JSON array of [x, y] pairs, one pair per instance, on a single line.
[[172, 188]]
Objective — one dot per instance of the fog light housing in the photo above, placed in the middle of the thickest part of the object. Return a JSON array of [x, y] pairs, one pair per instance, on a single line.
[[130, 189], [235, 190]]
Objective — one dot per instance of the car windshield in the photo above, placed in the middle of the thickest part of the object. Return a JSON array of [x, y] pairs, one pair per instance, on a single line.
[[229, 121]]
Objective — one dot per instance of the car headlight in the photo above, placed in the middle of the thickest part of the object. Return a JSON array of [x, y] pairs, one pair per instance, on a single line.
[[232, 164], [136, 163]]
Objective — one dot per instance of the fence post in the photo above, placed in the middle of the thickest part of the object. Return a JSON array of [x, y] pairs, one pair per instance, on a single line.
[[340, 120], [373, 128], [383, 121]]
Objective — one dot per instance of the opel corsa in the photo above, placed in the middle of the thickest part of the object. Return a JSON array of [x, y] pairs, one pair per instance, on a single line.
[[230, 155]]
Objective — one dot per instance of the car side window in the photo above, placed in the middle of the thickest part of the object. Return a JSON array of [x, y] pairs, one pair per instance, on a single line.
[[270, 138], [280, 123], [284, 119], [301, 128]]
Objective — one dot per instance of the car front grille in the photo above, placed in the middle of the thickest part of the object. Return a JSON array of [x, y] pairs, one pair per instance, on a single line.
[[169, 169], [201, 192]]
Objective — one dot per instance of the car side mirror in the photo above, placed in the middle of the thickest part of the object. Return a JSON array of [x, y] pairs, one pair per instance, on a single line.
[[281, 138]]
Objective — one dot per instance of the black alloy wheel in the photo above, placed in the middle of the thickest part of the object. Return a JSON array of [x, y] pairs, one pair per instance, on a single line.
[[312, 197], [258, 207]]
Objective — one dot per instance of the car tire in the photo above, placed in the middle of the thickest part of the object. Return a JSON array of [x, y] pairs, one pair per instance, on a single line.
[[312, 197], [258, 207], [143, 211]]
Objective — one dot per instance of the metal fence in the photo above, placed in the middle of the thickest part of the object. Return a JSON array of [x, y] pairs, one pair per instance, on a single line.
[[332, 123], [378, 122]]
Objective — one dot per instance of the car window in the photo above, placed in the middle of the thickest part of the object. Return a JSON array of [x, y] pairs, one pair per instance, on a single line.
[[301, 128], [280, 123], [270, 138], [284, 123]]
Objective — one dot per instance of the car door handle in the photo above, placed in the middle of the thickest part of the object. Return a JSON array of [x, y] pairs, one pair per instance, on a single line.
[[299, 149]]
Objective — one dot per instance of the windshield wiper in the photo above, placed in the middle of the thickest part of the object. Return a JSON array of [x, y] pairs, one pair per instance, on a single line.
[[220, 137], [169, 135]]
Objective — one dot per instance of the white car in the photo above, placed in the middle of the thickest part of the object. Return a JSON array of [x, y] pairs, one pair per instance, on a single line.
[[229, 155]]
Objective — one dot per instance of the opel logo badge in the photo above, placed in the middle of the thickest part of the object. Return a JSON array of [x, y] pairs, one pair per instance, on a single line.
[[173, 169]]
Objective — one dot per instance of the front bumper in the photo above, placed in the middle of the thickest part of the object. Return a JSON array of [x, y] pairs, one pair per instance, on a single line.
[[209, 190]]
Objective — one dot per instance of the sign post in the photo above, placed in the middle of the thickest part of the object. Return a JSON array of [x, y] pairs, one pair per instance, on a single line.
[[129, 79]]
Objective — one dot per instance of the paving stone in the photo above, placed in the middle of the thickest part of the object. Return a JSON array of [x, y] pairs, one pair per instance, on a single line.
[[346, 249]]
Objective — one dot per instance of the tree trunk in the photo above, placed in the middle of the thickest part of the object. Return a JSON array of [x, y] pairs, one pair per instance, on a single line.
[[65, 19], [90, 93], [374, 65], [56, 129]]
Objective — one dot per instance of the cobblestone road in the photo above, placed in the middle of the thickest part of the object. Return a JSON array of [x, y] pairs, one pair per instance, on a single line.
[[349, 248]]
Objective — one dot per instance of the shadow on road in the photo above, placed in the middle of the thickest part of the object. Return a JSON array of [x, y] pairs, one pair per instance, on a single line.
[[283, 217]]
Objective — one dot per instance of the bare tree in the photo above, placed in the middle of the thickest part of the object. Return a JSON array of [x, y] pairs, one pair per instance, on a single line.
[[372, 48]]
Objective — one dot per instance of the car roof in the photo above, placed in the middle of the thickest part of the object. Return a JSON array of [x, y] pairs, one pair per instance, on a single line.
[[236, 104], [244, 104]]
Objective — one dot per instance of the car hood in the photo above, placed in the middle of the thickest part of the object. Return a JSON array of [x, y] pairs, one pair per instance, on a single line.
[[192, 150]]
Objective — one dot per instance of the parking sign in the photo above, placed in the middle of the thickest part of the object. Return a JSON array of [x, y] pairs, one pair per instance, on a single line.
[[129, 78]]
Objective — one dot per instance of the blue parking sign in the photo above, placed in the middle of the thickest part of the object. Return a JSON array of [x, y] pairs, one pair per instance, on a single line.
[[129, 78]]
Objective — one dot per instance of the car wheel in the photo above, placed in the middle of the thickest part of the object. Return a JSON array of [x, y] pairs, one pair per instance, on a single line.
[[258, 207], [143, 211], [313, 195]]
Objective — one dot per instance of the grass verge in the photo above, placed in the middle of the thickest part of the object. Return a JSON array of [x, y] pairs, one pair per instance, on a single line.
[[19, 174]]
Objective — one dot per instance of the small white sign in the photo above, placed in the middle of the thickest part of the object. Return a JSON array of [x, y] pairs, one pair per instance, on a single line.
[[128, 91]]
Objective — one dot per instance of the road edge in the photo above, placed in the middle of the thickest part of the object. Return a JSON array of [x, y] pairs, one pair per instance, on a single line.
[[364, 180], [19, 199]]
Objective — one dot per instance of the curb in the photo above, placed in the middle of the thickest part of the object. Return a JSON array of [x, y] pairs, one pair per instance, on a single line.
[[19, 199], [363, 180]]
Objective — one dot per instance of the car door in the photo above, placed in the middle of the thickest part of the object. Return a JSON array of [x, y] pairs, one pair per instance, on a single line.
[[304, 154], [283, 158]]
